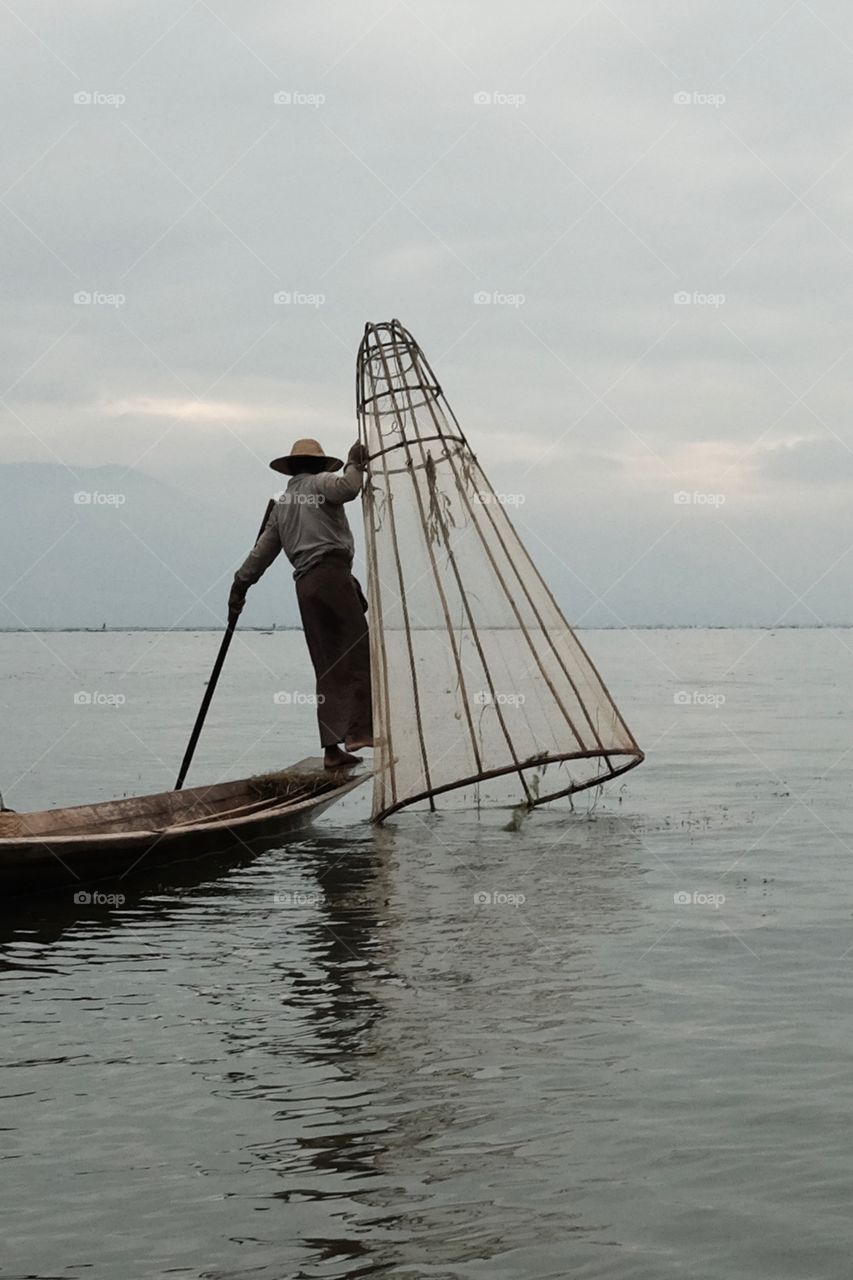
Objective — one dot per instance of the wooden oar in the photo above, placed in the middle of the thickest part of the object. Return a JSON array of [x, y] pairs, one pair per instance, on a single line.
[[214, 677]]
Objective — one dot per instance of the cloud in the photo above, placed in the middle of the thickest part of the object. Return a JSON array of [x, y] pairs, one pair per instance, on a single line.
[[598, 198], [818, 461], [192, 411]]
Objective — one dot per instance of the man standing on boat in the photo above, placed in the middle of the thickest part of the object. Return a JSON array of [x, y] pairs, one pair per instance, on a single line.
[[309, 524]]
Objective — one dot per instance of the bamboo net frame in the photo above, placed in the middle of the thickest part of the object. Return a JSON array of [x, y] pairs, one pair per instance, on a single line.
[[477, 676]]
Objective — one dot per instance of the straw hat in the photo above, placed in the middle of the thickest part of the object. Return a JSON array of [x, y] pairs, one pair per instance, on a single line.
[[305, 449]]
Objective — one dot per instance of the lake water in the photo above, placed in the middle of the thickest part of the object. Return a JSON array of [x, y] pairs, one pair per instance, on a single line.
[[601, 1080]]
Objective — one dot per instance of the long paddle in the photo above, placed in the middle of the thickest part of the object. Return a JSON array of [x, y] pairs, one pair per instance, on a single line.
[[214, 677]]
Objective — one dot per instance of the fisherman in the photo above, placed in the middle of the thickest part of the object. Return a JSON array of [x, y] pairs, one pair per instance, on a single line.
[[309, 523]]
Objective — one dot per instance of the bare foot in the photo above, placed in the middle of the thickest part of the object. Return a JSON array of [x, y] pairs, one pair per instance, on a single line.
[[334, 758], [356, 744]]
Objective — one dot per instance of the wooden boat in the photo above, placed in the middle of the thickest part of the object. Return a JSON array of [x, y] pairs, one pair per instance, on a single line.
[[66, 848]]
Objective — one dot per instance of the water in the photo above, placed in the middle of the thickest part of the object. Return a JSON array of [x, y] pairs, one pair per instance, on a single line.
[[389, 1078]]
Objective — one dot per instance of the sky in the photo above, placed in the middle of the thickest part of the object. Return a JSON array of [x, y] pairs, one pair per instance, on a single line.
[[620, 231]]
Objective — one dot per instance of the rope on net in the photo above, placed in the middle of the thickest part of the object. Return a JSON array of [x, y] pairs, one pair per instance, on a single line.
[[454, 599]]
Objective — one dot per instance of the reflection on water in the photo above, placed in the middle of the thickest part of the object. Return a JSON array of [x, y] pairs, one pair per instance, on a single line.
[[303, 1065], [445, 1049]]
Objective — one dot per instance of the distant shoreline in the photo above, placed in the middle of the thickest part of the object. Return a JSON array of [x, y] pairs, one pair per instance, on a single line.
[[270, 630]]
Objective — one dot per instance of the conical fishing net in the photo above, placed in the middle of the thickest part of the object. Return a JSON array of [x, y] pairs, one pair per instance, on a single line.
[[479, 682]]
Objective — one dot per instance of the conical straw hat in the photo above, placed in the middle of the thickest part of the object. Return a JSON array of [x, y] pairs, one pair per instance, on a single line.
[[305, 449]]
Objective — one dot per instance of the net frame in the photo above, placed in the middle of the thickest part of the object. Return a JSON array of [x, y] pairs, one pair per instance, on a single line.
[[395, 385]]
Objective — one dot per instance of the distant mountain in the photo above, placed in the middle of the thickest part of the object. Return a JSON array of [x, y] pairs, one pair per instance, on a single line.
[[123, 548]]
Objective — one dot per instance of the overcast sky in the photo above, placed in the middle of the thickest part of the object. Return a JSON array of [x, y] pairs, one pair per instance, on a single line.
[[655, 200]]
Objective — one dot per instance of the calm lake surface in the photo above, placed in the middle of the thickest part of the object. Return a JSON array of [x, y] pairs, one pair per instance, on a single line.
[[391, 1079]]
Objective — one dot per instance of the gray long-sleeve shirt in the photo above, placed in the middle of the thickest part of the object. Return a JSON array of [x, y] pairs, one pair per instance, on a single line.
[[307, 522]]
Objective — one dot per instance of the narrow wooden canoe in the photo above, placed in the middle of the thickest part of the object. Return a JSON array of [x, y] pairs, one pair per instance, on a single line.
[[58, 848]]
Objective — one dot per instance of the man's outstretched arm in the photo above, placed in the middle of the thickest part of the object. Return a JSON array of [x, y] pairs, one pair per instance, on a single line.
[[347, 485], [256, 564]]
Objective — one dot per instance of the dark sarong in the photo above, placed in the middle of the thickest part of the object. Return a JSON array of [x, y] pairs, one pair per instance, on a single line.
[[332, 607]]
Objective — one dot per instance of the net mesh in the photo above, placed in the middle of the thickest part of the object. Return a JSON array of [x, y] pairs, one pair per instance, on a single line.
[[478, 680]]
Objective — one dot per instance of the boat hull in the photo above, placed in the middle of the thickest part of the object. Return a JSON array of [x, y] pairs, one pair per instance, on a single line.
[[110, 841]]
